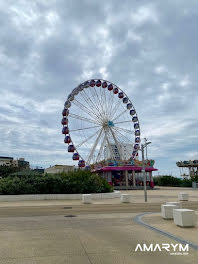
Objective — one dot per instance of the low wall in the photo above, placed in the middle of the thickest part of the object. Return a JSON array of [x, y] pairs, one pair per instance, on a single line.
[[132, 188], [37, 197]]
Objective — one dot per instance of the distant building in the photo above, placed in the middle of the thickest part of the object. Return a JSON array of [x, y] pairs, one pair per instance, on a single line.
[[6, 161], [113, 150], [59, 168], [10, 161], [22, 163]]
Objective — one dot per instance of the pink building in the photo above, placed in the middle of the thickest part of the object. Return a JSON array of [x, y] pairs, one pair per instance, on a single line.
[[126, 176]]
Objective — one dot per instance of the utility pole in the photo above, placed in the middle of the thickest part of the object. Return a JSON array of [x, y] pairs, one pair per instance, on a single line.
[[143, 169], [144, 173]]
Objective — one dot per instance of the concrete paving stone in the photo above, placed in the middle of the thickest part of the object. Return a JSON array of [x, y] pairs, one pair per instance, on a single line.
[[67, 259], [189, 233]]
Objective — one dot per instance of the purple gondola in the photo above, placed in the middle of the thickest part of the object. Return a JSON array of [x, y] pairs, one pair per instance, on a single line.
[[129, 106], [132, 112], [137, 132], [92, 83], [75, 156], [81, 163], [136, 125], [135, 119], [121, 95], [71, 148], [125, 100]]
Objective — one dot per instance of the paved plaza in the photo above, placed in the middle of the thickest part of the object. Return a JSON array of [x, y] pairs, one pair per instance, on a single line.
[[61, 232]]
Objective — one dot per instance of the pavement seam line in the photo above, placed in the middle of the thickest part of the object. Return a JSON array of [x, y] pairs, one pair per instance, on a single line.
[[138, 219]]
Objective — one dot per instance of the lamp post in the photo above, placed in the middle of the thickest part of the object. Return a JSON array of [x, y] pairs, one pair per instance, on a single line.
[[143, 169]]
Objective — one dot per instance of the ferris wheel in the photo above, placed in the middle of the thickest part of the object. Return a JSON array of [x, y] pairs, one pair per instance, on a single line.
[[99, 123]]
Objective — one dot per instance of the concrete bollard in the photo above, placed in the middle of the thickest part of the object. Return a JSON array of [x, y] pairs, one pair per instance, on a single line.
[[178, 204], [184, 217], [86, 198], [183, 196], [167, 210], [125, 198]]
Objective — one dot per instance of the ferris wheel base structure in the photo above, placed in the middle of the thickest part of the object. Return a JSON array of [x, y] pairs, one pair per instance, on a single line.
[[127, 176]]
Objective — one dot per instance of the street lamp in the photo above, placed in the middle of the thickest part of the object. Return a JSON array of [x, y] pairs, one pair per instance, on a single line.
[[143, 168]]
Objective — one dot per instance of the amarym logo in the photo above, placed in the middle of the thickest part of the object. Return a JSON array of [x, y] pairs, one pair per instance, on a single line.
[[172, 248]]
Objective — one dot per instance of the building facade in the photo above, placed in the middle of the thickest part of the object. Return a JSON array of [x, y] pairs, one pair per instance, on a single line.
[[123, 152], [59, 168]]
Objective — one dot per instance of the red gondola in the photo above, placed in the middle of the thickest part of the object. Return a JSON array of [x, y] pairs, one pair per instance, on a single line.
[[65, 112], [137, 140], [110, 87], [115, 90], [64, 121], [104, 85], [65, 130], [67, 139], [98, 83], [136, 146]]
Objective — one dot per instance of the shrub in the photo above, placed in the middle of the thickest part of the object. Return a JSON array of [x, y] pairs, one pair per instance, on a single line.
[[172, 181], [71, 182], [5, 171]]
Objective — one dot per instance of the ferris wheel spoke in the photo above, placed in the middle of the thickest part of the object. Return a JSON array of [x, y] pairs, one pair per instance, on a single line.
[[97, 101], [124, 136], [101, 149], [88, 138], [90, 156], [124, 129], [100, 102], [117, 105], [92, 107], [110, 104], [73, 130], [83, 118], [121, 122], [118, 116], [92, 104], [105, 103], [84, 108]]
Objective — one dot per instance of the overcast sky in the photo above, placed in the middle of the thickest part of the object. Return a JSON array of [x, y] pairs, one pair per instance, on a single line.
[[148, 48]]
